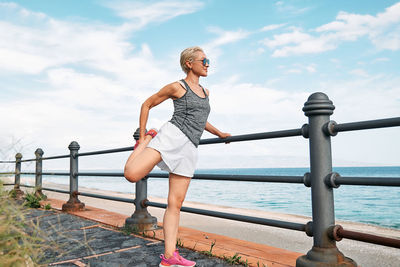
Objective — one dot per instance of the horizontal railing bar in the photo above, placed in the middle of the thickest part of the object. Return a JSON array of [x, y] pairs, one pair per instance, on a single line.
[[7, 184], [3, 173], [363, 125], [250, 178], [7, 161], [107, 151], [111, 174], [47, 173], [55, 190], [45, 158], [372, 181], [339, 180], [56, 157], [374, 239], [255, 136], [242, 178], [26, 185], [128, 200], [56, 173], [236, 217], [215, 177], [27, 160]]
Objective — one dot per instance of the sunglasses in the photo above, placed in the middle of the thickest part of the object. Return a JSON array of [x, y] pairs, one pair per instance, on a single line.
[[205, 61]]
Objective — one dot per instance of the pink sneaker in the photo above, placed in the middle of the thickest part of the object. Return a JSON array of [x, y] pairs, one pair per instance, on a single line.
[[152, 132], [176, 261]]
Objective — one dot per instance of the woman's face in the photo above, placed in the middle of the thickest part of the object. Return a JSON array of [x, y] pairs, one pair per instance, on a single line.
[[198, 66]]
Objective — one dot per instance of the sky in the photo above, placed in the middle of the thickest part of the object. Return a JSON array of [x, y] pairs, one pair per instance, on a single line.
[[80, 70]]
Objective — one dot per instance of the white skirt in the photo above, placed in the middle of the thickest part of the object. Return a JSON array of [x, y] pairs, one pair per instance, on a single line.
[[178, 153]]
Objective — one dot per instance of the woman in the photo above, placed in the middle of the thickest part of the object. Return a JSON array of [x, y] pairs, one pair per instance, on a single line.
[[174, 147]]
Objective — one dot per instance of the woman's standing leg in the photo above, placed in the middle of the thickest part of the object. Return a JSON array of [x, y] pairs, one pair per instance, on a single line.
[[178, 186]]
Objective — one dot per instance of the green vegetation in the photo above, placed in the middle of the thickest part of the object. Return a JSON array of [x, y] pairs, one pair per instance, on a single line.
[[209, 253], [128, 230], [17, 247], [12, 193], [236, 259], [179, 243], [32, 201]]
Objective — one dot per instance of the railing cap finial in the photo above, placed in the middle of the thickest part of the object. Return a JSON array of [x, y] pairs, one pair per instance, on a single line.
[[318, 104], [18, 156], [39, 152], [74, 146]]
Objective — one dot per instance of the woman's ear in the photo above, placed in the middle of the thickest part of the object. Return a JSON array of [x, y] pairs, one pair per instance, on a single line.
[[189, 64]]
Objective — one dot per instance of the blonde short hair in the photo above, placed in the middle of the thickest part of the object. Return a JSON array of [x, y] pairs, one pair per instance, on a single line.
[[188, 55]]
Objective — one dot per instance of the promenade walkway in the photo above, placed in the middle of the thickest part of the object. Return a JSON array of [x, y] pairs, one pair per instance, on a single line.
[[75, 241], [93, 238]]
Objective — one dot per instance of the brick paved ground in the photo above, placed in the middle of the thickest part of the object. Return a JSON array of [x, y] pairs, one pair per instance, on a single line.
[[74, 241]]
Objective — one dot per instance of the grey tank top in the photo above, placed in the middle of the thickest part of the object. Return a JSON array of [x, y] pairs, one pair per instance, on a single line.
[[191, 113]]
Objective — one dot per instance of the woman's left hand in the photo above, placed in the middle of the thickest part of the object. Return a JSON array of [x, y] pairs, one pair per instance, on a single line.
[[224, 135]]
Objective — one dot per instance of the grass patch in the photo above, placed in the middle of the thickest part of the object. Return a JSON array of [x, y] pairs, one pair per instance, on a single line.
[[179, 243], [17, 247], [32, 201], [236, 259], [209, 253], [128, 230]]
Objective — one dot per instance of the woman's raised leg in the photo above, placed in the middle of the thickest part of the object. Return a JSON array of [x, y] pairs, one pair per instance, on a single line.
[[141, 161], [178, 186]]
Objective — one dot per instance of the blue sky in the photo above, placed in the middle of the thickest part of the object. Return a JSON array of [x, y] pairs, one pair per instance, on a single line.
[[79, 70]]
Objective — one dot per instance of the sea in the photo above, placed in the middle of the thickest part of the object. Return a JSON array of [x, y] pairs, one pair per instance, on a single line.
[[377, 205]]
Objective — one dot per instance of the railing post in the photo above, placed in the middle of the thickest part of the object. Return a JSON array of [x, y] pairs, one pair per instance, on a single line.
[[324, 252], [38, 178], [18, 192], [73, 204], [141, 219]]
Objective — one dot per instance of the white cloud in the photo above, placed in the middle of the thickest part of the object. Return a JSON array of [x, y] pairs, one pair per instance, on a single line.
[[225, 37], [311, 68], [359, 72], [86, 81], [383, 30], [298, 68], [213, 47], [381, 59], [289, 9], [297, 42], [143, 13], [272, 27]]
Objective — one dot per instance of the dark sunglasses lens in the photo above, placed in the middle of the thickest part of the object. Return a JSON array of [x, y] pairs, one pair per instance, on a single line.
[[206, 61]]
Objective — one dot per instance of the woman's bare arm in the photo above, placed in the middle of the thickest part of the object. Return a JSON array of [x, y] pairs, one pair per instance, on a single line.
[[168, 91], [210, 128]]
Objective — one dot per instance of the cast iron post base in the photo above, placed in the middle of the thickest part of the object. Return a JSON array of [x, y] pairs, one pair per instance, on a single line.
[[19, 194], [73, 205], [141, 221], [320, 257]]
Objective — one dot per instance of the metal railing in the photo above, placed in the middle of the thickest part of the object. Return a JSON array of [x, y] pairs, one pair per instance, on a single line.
[[321, 179]]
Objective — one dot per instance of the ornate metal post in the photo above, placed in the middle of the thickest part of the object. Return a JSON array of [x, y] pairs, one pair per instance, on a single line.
[[141, 219], [18, 192], [38, 178], [73, 204], [324, 252]]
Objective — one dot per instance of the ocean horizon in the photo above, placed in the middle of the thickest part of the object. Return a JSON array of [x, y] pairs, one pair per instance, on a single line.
[[377, 205]]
